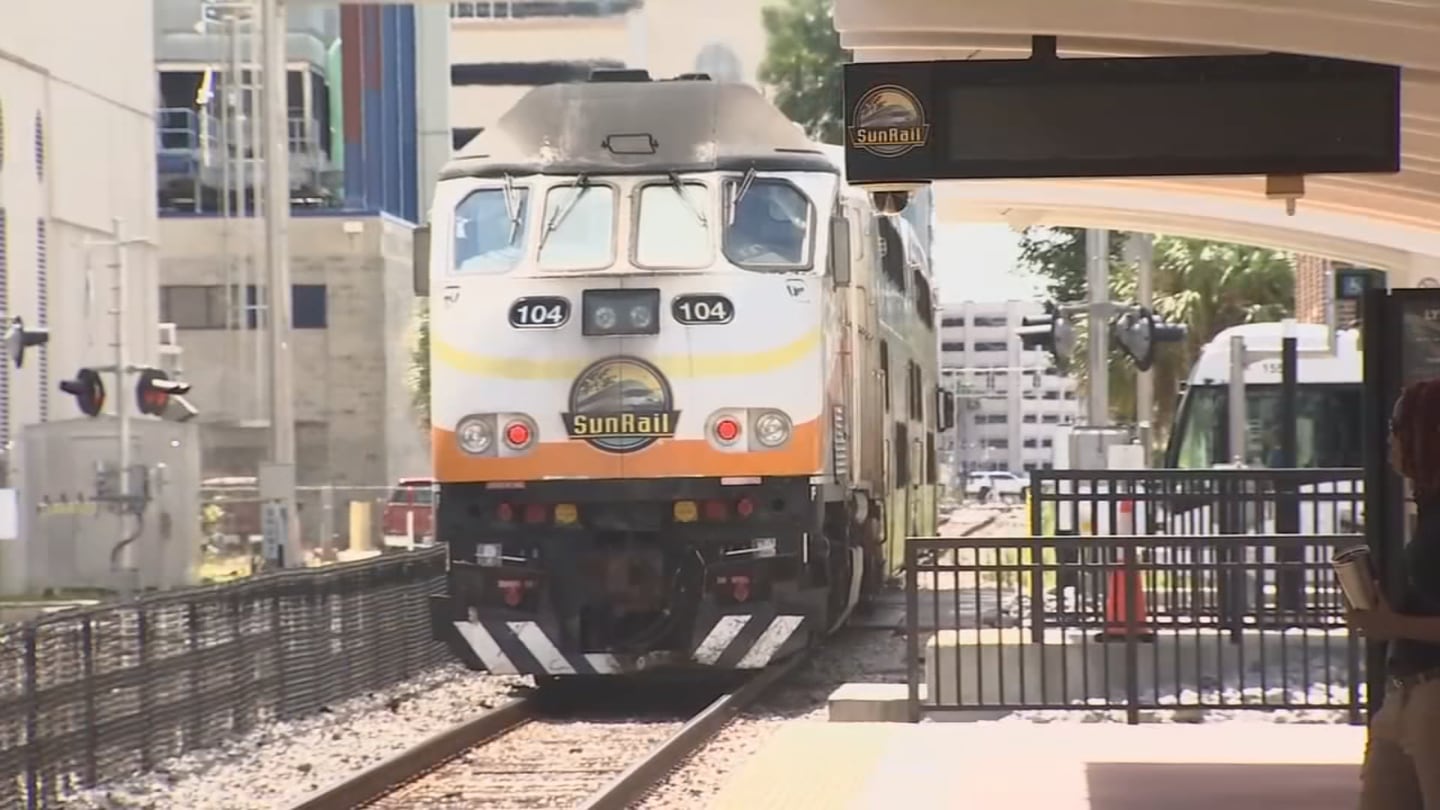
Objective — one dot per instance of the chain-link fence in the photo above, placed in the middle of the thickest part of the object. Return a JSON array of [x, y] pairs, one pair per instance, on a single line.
[[334, 517], [91, 695]]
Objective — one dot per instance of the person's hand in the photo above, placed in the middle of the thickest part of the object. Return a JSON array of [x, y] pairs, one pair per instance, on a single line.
[[1379, 623]]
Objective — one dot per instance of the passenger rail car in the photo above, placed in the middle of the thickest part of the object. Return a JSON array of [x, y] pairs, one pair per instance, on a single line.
[[684, 382]]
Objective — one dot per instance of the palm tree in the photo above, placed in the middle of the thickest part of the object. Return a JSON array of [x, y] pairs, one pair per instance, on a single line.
[[1209, 286], [417, 376]]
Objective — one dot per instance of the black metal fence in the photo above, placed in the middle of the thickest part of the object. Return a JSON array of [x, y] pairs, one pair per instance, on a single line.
[[988, 629], [91, 695], [1085, 504]]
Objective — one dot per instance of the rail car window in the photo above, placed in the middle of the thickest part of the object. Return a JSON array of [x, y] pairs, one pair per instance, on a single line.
[[578, 232], [490, 230], [672, 227], [1327, 417], [768, 225]]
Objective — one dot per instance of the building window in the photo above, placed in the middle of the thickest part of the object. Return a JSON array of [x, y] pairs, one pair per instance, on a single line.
[[997, 444], [4, 310], [193, 306], [1050, 395], [308, 306], [991, 346], [1050, 419], [1029, 418], [991, 320], [39, 147], [952, 346], [953, 320], [42, 313], [1030, 443], [1047, 443]]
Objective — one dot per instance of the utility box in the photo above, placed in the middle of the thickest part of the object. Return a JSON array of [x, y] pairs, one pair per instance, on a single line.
[[1090, 446], [72, 525]]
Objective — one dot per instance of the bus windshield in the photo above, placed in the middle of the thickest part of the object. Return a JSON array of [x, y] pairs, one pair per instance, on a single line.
[[1328, 426]]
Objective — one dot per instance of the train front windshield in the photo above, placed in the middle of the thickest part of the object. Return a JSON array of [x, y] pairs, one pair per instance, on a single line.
[[1328, 427]]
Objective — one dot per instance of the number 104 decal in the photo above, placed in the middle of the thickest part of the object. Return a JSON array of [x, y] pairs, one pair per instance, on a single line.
[[539, 312], [702, 309]]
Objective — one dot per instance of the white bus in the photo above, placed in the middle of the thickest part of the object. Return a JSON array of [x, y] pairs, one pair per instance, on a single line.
[[1327, 406]]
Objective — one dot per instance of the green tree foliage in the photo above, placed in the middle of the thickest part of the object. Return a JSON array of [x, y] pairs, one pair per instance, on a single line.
[[417, 376], [1209, 286], [803, 60]]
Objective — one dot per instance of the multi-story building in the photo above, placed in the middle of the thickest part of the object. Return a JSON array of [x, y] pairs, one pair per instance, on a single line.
[[1011, 401], [368, 130], [500, 49], [77, 102]]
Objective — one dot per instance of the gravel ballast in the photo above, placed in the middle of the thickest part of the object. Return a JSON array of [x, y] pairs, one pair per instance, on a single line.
[[280, 764]]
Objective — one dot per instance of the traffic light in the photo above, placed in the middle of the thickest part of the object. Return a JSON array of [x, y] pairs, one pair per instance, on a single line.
[[88, 390], [154, 390], [1052, 332], [18, 339], [1137, 331]]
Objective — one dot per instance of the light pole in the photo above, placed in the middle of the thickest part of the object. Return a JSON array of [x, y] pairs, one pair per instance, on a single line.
[[281, 470]]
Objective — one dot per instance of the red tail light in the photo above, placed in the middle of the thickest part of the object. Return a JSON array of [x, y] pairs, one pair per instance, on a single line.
[[517, 434], [715, 510], [535, 513], [744, 507], [727, 429], [740, 588]]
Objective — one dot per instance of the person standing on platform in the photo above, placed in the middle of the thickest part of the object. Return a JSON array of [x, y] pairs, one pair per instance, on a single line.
[[1402, 753]]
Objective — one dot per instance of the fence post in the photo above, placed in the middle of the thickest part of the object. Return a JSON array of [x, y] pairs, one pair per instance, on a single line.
[[92, 742], [143, 634], [32, 719], [192, 622], [912, 632], [277, 632], [1131, 574], [327, 523]]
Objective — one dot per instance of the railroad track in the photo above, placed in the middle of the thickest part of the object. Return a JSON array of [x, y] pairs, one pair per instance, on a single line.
[[521, 755]]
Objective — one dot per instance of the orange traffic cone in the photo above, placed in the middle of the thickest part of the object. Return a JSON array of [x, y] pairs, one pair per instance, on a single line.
[[1118, 611]]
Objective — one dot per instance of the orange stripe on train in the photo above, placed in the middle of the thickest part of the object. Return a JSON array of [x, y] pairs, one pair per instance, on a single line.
[[664, 459]]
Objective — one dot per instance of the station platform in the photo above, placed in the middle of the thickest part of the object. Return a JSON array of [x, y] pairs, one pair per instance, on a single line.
[[1011, 765]]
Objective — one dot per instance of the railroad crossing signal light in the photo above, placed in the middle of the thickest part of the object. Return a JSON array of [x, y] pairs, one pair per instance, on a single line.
[[88, 390], [1137, 331], [154, 390], [18, 339], [1052, 332]]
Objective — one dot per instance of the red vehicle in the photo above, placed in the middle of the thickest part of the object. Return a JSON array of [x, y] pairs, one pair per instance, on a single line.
[[409, 517]]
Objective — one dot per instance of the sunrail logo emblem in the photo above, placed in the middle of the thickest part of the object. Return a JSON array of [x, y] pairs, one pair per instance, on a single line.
[[889, 122], [621, 405]]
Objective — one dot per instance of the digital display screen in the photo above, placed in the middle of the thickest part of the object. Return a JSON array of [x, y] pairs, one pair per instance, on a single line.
[[1252, 115], [1155, 125]]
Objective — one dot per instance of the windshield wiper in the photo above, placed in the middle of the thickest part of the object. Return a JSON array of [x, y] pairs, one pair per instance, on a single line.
[[680, 190], [512, 209], [580, 186], [745, 183]]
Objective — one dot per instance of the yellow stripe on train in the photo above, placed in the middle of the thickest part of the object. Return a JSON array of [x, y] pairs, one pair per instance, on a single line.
[[681, 365]]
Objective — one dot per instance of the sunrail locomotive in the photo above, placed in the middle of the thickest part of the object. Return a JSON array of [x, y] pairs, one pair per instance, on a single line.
[[683, 383]]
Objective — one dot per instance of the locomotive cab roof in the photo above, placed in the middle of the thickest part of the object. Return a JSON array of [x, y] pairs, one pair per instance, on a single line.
[[622, 122]]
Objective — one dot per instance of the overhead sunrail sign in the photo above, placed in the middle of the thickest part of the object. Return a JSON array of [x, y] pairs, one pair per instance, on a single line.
[[1044, 117]]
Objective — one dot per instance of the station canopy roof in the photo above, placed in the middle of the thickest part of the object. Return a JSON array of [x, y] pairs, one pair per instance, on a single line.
[[1386, 221]]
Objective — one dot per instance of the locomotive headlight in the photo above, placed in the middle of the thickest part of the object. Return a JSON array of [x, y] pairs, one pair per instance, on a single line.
[[641, 316], [605, 318], [772, 428], [475, 434], [620, 312]]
